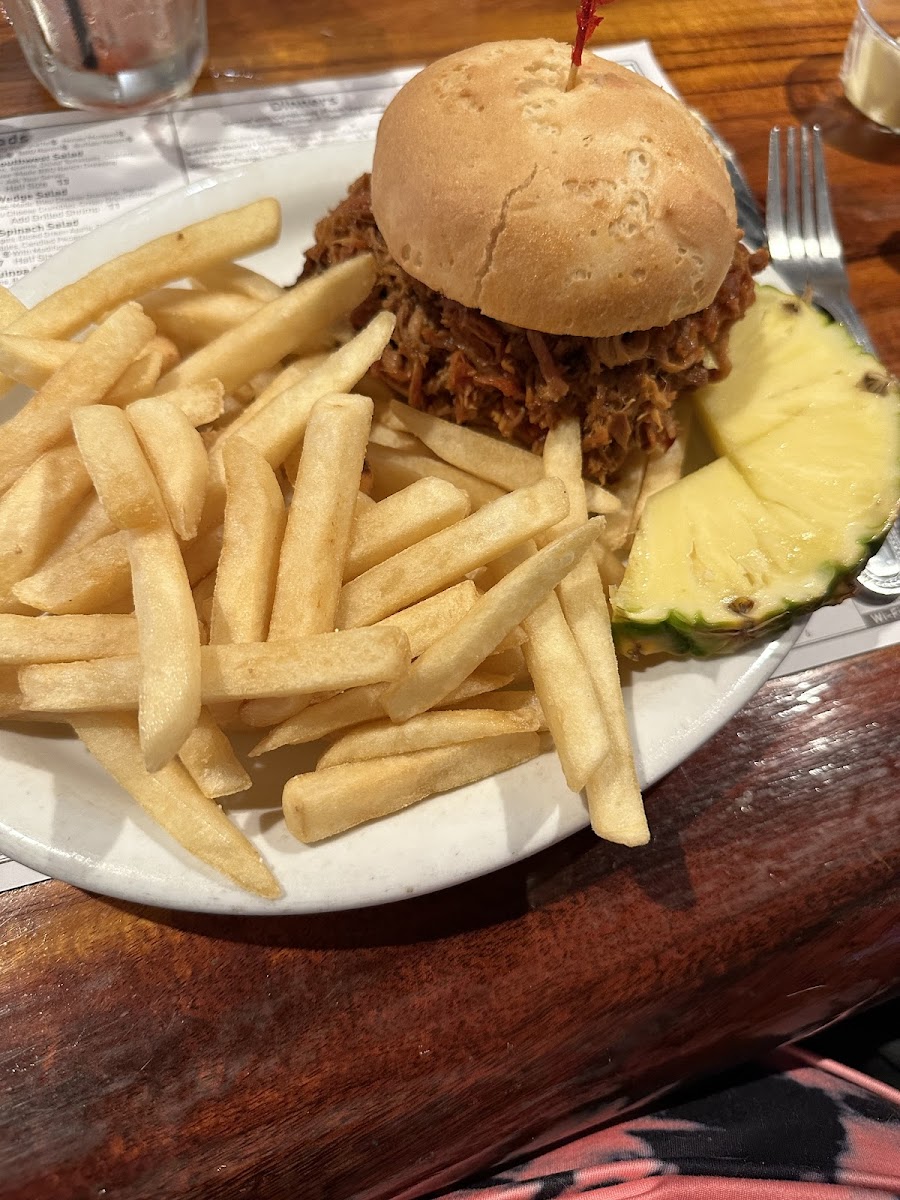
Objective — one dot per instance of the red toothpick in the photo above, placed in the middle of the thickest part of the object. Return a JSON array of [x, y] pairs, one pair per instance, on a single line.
[[588, 20]]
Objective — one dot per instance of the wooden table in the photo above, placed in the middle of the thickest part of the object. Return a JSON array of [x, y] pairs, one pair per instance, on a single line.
[[381, 1053]]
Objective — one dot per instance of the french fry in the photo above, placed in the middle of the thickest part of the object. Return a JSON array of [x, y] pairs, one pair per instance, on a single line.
[[615, 803], [384, 399], [324, 803], [611, 567], [325, 662], [294, 323], [499, 462], [85, 378], [92, 574], [234, 411], [360, 704], [510, 662], [512, 641], [175, 803], [562, 461], [173, 256], [482, 682], [193, 319], [86, 580], [88, 523], [36, 510], [248, 564], [383, 435], [11, 697], [422, 623], [291, 464], [509, 701], [115, 462], [11, 308], [626, 488], [169, 640], [260, 381], [363, 504], [447, 727], [397, 469], [447, 556], [451, 659], [276, 424], [211, 761], [295, 372], [177, 457], [319, 720], [31, 361], [423, 508], [231, 277], [65, 639], [566, 691], [613, 793], [317, 536], [167, 348], [200, 402], [430, 619], [661, 470], [139, 378], [614, 796]]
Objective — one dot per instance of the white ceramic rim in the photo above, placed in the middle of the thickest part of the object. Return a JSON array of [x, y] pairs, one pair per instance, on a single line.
[[64, 817]]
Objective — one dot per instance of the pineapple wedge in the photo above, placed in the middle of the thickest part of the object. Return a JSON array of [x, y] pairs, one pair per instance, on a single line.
[[808, 429]]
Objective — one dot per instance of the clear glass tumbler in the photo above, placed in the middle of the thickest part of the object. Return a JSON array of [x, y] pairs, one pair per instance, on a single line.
[[112, 55], [871, 69]]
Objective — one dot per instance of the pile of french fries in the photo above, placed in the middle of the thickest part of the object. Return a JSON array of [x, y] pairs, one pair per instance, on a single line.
[[211, 521]]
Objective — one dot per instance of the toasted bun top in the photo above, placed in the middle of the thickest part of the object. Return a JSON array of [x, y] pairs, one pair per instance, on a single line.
[[592, 212]]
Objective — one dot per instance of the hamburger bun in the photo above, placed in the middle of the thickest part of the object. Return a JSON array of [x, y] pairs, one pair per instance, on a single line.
[[593, 212]]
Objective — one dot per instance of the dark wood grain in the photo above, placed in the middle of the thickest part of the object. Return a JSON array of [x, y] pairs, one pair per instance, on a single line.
[[373, 1055]]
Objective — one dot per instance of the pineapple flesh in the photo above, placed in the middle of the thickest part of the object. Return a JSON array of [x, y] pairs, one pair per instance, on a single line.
[[807, 427]]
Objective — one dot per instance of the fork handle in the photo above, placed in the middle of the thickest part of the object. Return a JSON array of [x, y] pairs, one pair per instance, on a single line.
[[842, 310]]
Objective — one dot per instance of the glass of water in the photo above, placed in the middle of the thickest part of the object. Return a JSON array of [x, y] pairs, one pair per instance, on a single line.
[[112, 55]]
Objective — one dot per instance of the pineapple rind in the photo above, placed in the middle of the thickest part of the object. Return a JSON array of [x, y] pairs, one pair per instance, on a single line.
[[792, 542]]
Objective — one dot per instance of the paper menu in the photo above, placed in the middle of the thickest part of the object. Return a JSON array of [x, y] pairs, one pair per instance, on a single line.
[[64, 174]]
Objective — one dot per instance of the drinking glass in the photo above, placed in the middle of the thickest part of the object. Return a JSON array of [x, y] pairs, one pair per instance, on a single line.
[[110, 55], [871, 69]]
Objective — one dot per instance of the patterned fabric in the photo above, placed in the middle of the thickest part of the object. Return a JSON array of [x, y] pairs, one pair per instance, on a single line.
[[801, 1128]]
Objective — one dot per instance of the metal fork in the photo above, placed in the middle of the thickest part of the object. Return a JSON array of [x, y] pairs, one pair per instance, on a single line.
[[805, 246], [803, 239]]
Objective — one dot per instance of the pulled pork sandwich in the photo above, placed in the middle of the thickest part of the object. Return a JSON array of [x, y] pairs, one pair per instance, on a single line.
[[546, 252]]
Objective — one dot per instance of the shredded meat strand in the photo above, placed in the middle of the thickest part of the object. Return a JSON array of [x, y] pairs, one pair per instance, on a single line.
[[457, 363]]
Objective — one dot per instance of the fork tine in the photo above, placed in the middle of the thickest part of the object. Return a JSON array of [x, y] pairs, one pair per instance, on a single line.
[[778, 246], [829, 241], [792, 219], [807, 211]]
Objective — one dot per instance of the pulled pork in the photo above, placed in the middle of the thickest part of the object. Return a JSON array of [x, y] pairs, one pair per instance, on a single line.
[[457, 363]]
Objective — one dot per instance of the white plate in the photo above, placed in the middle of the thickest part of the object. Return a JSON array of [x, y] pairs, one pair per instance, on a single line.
[[61, 814]]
